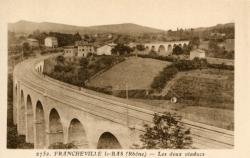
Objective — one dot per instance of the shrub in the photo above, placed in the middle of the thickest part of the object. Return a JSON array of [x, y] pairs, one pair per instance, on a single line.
[[160, 81], [221, 66], [167, 132], [60, 145]]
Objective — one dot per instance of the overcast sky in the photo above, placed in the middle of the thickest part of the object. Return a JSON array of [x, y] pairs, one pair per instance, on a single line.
[[162, 14]]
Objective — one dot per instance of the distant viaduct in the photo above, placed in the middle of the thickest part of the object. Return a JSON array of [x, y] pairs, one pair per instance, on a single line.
[[48, 111]]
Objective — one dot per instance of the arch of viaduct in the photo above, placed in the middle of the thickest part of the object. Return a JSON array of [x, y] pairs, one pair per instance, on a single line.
[[48, 111], [164, 48]]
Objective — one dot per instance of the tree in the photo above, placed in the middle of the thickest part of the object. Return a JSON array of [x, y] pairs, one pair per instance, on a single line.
[[77, 37], [167, 132], [83, 72], [60, 59], [140, 47], [27, 50], [121, 49], [177, 50], [83, 62], [194, 42]]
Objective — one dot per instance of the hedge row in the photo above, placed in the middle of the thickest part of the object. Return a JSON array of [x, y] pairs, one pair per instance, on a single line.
[[184, 65], [221, 66], [164, 58], [167, 74]]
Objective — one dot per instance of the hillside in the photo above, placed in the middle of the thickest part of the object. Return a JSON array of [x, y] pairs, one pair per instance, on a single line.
[[218, 26], [126, 28], [137, 73]]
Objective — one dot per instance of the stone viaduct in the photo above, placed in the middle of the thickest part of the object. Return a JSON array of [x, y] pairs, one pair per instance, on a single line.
[[48, 111], [164, 48]]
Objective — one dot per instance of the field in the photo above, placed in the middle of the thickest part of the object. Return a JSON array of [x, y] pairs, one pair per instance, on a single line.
[[205, 96], [136, 73], [207, 88]]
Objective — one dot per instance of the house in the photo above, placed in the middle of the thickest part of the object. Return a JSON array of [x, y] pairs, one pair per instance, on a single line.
[[85, 49], [82, 42], [112, 44], [110, 36], [33, 42], [70, 51], [51, 42], [104, 50], [132, 45], [197, 53]]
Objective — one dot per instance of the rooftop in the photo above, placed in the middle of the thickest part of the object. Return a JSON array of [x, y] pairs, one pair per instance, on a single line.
[[32, 40], [198, 51], [53, 38], [69, 47]]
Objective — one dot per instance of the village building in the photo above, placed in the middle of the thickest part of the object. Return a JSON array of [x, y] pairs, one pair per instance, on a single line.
[[104, 50], [197, 53], [33, 42], [85, 49], [70, 51], [82, 42], [51, 42], [110, 36], [132, 45], [112, 44]]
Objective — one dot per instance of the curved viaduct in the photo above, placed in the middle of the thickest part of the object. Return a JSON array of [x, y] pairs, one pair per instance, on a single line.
[[48, 111]]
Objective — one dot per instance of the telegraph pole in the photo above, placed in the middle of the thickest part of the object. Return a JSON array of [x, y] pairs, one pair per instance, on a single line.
[[127, 104], [126, 91]]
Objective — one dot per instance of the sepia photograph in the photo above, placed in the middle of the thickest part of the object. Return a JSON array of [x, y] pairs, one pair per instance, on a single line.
[[121, 75]]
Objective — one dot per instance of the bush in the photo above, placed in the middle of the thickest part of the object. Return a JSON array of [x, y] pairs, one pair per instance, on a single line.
[[60, 145], [185, 65], [164, 58], [221, 66], [167, 74], [167, 132]]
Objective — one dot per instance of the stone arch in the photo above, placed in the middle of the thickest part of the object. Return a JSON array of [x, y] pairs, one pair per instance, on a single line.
[[16, 99], [170, 47], [174, 46], [108, 141], [77, 134], [40, 126], [152, 48], [22, 123], [161, 48], [55, 127], [15, 104], [29, 121]]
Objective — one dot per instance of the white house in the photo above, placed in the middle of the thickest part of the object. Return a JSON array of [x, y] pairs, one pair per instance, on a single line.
[[104, 50], [85, 49], [51, 42], [197, 53], [70, 51]]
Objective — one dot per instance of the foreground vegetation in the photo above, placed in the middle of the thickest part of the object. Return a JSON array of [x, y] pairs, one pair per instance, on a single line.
[[78, 71], [167, 132]]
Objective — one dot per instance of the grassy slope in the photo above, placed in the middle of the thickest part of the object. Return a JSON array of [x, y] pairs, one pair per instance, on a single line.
[[138, 73], [213, 92], [208, 88]]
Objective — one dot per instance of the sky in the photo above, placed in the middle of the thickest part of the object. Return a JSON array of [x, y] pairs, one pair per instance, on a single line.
[[162, 14]]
